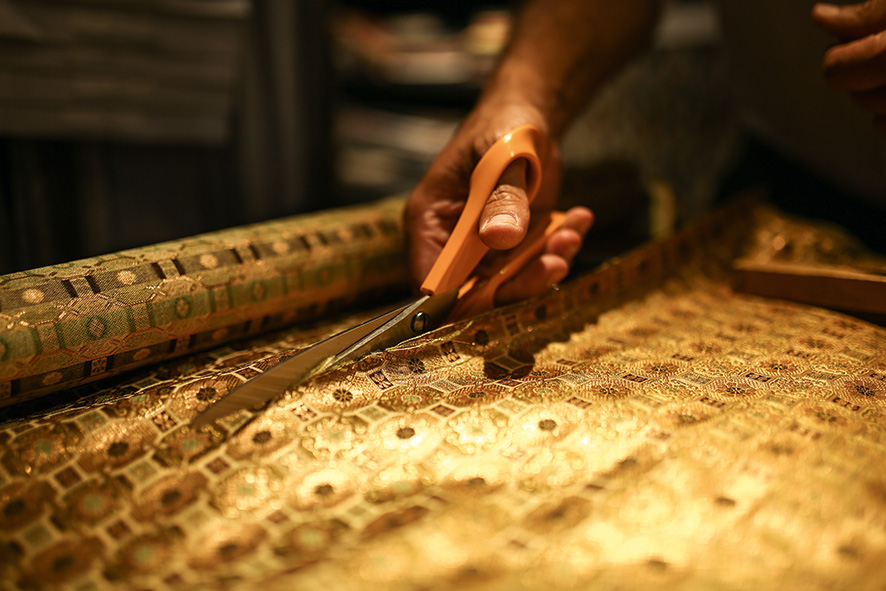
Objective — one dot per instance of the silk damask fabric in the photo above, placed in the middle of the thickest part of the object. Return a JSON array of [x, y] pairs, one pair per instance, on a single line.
[[644, 426]]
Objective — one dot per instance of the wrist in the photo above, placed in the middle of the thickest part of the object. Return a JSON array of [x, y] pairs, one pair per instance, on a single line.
[[524, 90]]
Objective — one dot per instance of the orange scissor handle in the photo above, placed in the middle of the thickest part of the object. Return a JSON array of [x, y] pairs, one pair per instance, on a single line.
[[478, 294], [464, 249]]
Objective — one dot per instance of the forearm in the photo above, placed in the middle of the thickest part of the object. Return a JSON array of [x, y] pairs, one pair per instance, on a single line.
[[562, 50]]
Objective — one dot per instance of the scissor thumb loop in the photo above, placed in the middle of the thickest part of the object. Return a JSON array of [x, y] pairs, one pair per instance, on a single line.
[[464, 249]]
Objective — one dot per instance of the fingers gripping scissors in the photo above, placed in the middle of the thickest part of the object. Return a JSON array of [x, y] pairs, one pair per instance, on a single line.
[[450, 291]]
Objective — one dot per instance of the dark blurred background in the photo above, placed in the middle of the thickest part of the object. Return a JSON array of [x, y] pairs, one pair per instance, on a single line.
[[126, 123]]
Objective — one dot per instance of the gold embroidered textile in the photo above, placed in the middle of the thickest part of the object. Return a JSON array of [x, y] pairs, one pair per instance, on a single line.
[[644, 426]]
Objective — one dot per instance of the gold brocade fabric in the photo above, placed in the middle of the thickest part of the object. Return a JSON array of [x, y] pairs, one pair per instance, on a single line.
[[643, 427], [73, 323]]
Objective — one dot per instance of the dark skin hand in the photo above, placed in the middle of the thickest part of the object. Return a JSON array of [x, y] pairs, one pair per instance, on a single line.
[[857, 64], [437, 202], [560, 51]]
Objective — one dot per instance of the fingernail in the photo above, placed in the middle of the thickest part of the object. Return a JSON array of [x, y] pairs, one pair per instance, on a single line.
[[559, 276], [826, 10], [505, 219], [571, 252]]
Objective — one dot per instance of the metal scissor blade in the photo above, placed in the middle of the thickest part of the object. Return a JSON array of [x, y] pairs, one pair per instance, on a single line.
[[293, 371], [424, 314]]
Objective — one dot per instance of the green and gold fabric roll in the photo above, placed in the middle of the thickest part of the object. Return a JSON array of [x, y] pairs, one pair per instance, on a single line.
[[68, 324]]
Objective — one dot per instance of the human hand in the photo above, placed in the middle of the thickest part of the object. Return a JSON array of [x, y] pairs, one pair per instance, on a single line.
[[858, 64], [434, 206]]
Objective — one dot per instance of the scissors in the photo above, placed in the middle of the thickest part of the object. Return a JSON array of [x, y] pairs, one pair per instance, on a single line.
[[450, 291]]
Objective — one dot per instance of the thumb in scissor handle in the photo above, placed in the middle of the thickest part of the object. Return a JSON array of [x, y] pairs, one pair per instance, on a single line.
[[464, 249]]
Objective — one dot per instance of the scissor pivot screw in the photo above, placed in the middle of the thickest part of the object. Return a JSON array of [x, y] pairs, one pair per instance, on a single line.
[[419, 323]]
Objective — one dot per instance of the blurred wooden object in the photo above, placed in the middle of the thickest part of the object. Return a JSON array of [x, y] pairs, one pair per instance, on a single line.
[[827, 286]]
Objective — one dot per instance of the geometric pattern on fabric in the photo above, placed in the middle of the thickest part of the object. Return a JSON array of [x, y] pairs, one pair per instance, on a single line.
[[72, 323], [643, 421]]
